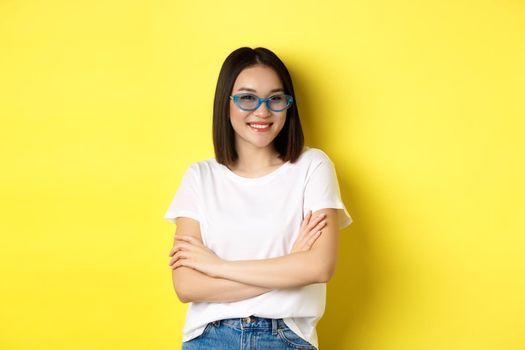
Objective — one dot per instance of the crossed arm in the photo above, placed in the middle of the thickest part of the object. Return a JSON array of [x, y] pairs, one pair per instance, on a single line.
[[199, 275]]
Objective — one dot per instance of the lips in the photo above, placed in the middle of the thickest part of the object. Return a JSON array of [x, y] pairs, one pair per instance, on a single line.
[[260, 127]]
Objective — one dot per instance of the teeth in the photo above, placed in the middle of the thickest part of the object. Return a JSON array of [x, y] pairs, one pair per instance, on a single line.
[[259, 126]]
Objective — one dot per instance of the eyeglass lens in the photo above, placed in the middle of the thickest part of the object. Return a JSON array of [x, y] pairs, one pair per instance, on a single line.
[[276, 102]]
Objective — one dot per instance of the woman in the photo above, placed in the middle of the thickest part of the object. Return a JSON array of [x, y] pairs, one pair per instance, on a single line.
[[258, 225]]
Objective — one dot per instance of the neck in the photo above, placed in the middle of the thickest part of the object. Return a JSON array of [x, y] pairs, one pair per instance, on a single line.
[[254, 158]]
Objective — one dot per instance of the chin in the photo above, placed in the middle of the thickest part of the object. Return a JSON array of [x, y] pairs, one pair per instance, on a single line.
[[262, 145], [258, 143]]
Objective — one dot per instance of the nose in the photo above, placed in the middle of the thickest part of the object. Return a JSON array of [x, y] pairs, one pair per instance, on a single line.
[[262, 111]]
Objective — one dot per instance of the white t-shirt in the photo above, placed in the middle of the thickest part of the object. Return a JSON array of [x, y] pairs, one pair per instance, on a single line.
[[259, 218]]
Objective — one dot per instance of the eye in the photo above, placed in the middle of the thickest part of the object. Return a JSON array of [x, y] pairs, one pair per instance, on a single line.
[[248, 98], [276, 98]]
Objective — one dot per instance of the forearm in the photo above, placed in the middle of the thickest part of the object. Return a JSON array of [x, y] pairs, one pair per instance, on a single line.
[[289, 271], [194, 286], [297, 269]]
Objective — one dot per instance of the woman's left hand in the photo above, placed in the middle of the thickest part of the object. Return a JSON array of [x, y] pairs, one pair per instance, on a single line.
[[190, 252]]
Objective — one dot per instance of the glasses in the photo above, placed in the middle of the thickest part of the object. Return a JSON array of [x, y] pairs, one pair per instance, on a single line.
[[250, 102]]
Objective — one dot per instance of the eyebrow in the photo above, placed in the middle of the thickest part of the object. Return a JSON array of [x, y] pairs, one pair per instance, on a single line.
[[252, 90]]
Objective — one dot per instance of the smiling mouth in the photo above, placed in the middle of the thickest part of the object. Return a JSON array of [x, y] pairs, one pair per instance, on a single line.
[[260, 127]]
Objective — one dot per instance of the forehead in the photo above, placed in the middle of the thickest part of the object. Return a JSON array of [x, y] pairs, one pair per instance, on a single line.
[[259, 78]]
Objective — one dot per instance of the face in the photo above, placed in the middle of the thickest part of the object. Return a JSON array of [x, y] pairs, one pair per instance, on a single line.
[[260, 127]]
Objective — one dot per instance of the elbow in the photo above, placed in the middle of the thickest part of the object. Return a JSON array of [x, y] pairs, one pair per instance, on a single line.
[[181, 285], [322, 268], [325, 273], [182, 293], [184, 296]]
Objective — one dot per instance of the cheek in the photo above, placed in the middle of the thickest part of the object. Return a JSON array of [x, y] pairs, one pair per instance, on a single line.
[[237, 118], [282, 120]]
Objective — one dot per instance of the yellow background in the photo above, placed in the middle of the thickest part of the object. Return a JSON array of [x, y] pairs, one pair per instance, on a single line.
[[420, 104]]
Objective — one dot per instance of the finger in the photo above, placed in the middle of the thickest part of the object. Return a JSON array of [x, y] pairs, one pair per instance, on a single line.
[[173, 250], [178, 256], [306, 219], [305, 239], [182, 263], [311, 240], [315, 221], [179, 246], [173, 260], [178, 264], [320, 225]]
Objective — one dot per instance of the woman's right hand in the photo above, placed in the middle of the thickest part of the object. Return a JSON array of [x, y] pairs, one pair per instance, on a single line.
[[310, 231]]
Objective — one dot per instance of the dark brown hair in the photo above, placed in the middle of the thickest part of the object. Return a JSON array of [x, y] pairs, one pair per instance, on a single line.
[[290, 140]]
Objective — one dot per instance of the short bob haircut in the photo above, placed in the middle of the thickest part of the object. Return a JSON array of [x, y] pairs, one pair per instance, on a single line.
[[289, 142]]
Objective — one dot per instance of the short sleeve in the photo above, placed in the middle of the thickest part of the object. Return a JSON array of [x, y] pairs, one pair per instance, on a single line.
[[322, 191], [186, 200]]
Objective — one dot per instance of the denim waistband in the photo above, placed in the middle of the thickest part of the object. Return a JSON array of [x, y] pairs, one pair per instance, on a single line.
[[253, 323]]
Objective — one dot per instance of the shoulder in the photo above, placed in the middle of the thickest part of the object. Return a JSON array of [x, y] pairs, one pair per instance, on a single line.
[[315, 163], [313, 156], [203, 168]]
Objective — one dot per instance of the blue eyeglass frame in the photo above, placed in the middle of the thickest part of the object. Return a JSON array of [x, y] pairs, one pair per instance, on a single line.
[[260, 101]]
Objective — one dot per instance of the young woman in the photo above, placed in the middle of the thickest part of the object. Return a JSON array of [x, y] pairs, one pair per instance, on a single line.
[[258, 225]]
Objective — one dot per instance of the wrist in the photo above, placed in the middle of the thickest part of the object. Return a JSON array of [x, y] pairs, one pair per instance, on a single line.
[[224, 266]]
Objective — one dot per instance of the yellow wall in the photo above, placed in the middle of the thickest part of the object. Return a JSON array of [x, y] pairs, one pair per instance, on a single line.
[[420, 104]]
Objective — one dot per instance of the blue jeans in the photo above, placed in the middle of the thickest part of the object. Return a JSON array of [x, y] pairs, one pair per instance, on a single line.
[[249, 333]]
